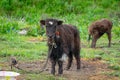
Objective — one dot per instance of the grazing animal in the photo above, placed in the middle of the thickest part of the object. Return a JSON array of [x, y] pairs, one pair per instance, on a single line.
[[98, 28], [13, 62], [65, 40]]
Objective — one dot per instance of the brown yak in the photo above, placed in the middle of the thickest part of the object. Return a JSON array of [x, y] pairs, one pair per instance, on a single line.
[[98, 28]]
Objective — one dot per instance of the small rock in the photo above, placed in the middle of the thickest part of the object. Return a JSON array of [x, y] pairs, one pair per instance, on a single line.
[[23, 32]]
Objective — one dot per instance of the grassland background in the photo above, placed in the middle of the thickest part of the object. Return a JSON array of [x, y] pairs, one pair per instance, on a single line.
[[19, 14]]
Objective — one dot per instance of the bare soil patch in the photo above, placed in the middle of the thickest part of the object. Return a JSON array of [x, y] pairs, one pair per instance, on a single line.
[[90, 70]]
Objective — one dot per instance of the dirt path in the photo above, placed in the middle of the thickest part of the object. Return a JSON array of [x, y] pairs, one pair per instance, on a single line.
[[90, 70]]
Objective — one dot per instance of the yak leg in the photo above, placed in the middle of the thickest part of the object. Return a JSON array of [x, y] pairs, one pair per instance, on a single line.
[[109, 38], [70, 58], [94, 40], [77, 57], [69, 54], [53, 67], [95, 37], [60, 64]]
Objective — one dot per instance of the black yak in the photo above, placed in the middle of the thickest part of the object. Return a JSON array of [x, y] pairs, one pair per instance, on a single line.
[[65, 40]]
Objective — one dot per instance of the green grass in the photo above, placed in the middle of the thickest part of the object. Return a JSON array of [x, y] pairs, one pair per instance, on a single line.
[[42, 77], [19, 14], [110, 55], [21, 46], [24, 49]]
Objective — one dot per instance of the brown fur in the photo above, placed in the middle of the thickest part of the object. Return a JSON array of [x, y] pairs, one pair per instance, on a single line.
[[98, 28]]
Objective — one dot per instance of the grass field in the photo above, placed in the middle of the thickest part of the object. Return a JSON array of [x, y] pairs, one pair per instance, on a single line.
[[33, 49], [26, 14]]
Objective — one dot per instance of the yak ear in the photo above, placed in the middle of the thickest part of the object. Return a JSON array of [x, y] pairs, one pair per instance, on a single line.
[[42, 22], [60, 22]]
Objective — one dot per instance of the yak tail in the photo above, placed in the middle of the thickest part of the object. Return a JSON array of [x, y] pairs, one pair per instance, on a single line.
[[89, 37]]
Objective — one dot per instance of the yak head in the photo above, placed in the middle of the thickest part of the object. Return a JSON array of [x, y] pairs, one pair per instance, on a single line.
[[51, 26]]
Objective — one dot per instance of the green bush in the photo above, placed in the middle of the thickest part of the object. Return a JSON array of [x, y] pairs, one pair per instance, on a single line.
[[33, 31], [8, 25], [77, 12]]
